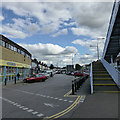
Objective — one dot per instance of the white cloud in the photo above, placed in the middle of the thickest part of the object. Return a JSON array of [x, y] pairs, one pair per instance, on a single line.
[[83, 31], [50, 52], [61, 32], [1, 18], [92, 45], [20, 28], [90, 18]]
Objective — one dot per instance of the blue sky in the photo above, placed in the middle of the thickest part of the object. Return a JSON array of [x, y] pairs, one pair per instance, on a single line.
[[54, 32]]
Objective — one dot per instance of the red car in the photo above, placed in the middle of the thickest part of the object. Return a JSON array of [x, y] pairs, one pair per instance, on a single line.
[[35, 78], [78, 74]]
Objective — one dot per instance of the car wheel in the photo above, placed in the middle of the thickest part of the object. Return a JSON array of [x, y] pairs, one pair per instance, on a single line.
[[25, 81], [43, 80]]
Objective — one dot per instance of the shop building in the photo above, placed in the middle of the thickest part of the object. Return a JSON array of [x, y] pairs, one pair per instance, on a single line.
[[14, 59]]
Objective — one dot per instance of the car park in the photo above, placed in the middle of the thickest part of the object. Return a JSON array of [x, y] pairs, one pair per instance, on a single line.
[[35, 78]]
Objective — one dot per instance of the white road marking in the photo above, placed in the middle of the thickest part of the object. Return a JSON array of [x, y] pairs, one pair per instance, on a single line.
[[39, 115], [55, 98], [34, 113], [49, 105], [30, 110], [70, 101], [65, 100], [48, 96], [21, 107], [18, 105], [60, 99], [25, 108]]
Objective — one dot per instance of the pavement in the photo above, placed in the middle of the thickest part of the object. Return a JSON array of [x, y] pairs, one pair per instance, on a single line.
[[97, 105]]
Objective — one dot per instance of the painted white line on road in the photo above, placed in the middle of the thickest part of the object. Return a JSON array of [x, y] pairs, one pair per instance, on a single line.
[[48, 96], [45, 96], [34, 113], [60, 99], [70, 101], [18, 105], [23, 107], [39, 115], [30, 110]]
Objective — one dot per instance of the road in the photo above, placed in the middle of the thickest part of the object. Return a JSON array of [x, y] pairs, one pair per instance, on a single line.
[[40, 99]]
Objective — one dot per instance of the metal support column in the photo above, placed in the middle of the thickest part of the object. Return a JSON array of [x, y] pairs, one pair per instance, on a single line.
[[4, 73]]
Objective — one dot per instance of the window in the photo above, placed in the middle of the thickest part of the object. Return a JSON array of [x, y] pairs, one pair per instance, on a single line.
[[3, 43], [15, 49], [7, 45], [22, 53], [12, 48], [0, 42], [18, 50]]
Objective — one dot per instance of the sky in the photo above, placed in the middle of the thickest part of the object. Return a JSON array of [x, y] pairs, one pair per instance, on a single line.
[[56, 32]]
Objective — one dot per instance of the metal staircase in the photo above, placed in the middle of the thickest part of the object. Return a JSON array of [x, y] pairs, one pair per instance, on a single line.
[[102, 81]]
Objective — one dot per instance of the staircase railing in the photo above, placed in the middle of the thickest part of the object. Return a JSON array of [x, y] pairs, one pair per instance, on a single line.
[[115, 74], [111, 24], [91, 78]]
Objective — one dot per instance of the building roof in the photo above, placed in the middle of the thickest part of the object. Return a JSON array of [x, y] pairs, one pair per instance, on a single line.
[[14, 44]]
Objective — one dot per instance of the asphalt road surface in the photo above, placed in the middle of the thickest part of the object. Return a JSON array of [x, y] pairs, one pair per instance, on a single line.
[[40, 99]]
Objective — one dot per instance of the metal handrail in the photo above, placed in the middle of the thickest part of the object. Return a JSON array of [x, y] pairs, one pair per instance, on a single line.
[[111, 24], [115, 74], [91, 78]]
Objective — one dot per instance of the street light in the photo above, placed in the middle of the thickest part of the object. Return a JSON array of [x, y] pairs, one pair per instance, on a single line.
[[97, 46], [72, 57]]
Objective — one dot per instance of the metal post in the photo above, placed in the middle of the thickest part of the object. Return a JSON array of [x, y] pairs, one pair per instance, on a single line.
[[4, 73], [15, 80], [5, 81], [97, 50], [73, 88], [77, 85]]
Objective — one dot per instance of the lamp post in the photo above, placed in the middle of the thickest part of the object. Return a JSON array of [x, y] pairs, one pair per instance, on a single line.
[[97, 46], [72, 57]]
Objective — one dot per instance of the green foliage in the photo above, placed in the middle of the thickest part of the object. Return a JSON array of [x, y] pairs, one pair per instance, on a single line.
[[77, 67], [51, 66]]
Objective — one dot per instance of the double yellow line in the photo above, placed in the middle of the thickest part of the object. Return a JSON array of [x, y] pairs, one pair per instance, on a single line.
[[66, 110]]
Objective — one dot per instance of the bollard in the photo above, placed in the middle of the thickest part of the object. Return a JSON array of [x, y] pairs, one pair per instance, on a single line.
[[72, 87], [15, 80], [75, 86], [5, 81]]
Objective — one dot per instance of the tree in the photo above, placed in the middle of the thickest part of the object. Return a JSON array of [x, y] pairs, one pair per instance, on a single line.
[[77, 67], [51, 66]]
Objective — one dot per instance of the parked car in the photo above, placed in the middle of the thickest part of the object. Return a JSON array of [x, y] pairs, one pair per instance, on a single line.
[[78, 74], [68, 73], [35, 78], [47, 74]]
